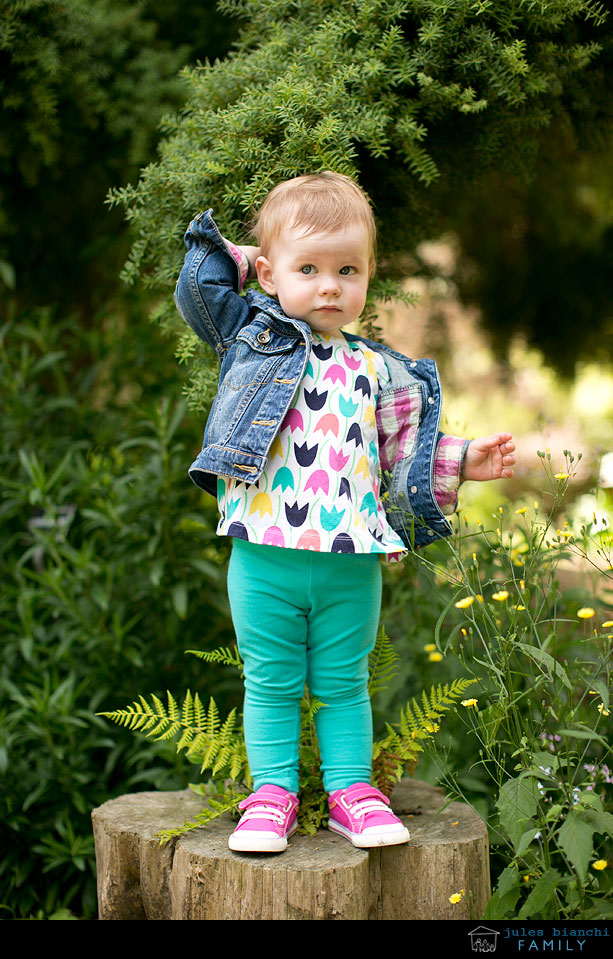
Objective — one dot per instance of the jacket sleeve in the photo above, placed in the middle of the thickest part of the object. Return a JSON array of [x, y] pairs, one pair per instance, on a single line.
[[448, 459], [207, 293]]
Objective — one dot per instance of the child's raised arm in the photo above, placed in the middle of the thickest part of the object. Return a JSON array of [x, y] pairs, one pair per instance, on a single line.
[[489, 457], [208, 290]]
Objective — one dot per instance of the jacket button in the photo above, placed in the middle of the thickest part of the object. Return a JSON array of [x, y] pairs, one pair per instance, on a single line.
[[413, 489], [413, 364], [430, 400], [263, 337]]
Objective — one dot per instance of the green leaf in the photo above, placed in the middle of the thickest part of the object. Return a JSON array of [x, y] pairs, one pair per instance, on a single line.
[[583, 734], [505, 895], [179, 600], [526, 840], [517, 804], [553, 667], [599, 820], [542, 892], [576, 839]]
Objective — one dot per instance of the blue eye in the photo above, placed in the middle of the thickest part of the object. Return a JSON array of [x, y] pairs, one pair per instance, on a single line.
[[307, 270], [347, 270]]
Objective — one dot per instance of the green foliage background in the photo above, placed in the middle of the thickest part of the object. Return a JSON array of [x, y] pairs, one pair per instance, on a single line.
[[424, 101], [452, 115]]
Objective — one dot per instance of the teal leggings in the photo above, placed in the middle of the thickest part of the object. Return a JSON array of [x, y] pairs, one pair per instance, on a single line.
[[302, 616]]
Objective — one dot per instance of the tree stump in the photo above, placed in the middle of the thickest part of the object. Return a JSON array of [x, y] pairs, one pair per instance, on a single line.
[[318, 877]]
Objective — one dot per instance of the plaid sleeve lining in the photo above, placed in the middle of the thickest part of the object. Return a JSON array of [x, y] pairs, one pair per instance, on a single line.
[[448, 460], [241, 261]]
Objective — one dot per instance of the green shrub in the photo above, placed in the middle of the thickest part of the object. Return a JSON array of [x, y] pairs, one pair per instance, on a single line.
[[109, 571]]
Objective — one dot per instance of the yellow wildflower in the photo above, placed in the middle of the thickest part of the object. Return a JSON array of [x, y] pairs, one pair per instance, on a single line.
[[520, 512], [457, 897], [586, 612], [465, 603], [430, 647], [469, 702], [527, 877], [592, 692], [561, 475], [463, 631], [501, 595], [522, 584], [435, 657], [519, 607], [603, 709], [479, 598], [599, 864], [608, 624]]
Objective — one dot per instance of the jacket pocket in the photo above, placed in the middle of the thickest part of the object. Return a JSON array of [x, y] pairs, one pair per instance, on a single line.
[[253, 357], [399, 414]]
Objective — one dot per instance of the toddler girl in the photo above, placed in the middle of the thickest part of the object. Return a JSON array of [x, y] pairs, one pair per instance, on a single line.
[[324, 452]]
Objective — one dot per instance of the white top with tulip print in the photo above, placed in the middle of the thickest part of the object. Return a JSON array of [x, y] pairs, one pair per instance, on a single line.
[[320, 487]]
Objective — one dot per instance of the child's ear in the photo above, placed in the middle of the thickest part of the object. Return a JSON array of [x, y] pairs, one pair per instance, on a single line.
[[264, 271]]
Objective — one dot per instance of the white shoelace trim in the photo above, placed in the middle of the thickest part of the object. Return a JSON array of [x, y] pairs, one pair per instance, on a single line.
[[362, 807], [264, 812]]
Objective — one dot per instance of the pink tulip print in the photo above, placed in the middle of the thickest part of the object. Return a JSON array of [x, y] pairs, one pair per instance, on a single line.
[[318, 480], [293, 419], [351, 362], [309, 540], [336, 373], [274, 537], [327, 424], [337, 460]]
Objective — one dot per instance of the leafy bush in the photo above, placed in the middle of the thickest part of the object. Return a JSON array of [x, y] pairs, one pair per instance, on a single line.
[[538, 720], [108, 572]]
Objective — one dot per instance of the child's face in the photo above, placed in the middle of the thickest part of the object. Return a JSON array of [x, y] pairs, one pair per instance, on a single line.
[[320, 278]]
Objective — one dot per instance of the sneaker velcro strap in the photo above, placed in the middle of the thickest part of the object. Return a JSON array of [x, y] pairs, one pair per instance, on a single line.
[[358, 793], [272, 799]]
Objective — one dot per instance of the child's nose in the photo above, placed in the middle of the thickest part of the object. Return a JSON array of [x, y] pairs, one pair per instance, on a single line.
[[329, 283]]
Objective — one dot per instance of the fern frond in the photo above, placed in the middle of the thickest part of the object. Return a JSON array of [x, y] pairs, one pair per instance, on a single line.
[[382, 663], [217, 806], [199, 731], [397, 753], [223, 655]]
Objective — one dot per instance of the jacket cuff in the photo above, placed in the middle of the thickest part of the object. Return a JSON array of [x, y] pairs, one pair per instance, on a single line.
[[241, 261], [448, 460]]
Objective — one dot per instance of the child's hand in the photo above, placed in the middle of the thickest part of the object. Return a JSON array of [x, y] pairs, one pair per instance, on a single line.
[[489, 458]]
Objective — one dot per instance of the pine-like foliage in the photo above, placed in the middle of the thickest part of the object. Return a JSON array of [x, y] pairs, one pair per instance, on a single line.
[[219, 748], [401, 94]]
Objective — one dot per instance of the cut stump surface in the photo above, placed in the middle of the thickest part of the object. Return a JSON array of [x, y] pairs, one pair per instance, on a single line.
[[318, 877]]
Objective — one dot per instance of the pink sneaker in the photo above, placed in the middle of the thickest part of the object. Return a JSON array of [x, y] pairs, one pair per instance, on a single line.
[[269, 820], [361, 813]]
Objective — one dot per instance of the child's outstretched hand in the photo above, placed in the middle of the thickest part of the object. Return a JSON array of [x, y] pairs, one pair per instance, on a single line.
[[489, 457]]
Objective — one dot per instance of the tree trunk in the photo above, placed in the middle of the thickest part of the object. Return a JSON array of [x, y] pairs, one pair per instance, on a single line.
[[318, 877]]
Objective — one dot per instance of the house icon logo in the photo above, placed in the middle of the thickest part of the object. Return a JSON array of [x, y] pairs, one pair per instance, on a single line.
[[483, 939]]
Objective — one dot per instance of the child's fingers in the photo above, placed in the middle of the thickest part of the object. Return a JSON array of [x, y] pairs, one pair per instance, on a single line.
[[497, 439]]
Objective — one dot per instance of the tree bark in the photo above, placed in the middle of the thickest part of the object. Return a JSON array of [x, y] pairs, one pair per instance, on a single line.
[[318, 877]]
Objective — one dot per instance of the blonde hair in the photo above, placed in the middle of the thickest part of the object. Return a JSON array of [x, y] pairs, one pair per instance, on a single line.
[[323, 202]]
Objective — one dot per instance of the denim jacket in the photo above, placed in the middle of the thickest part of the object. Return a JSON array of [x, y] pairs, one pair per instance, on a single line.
[[263, 355]]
